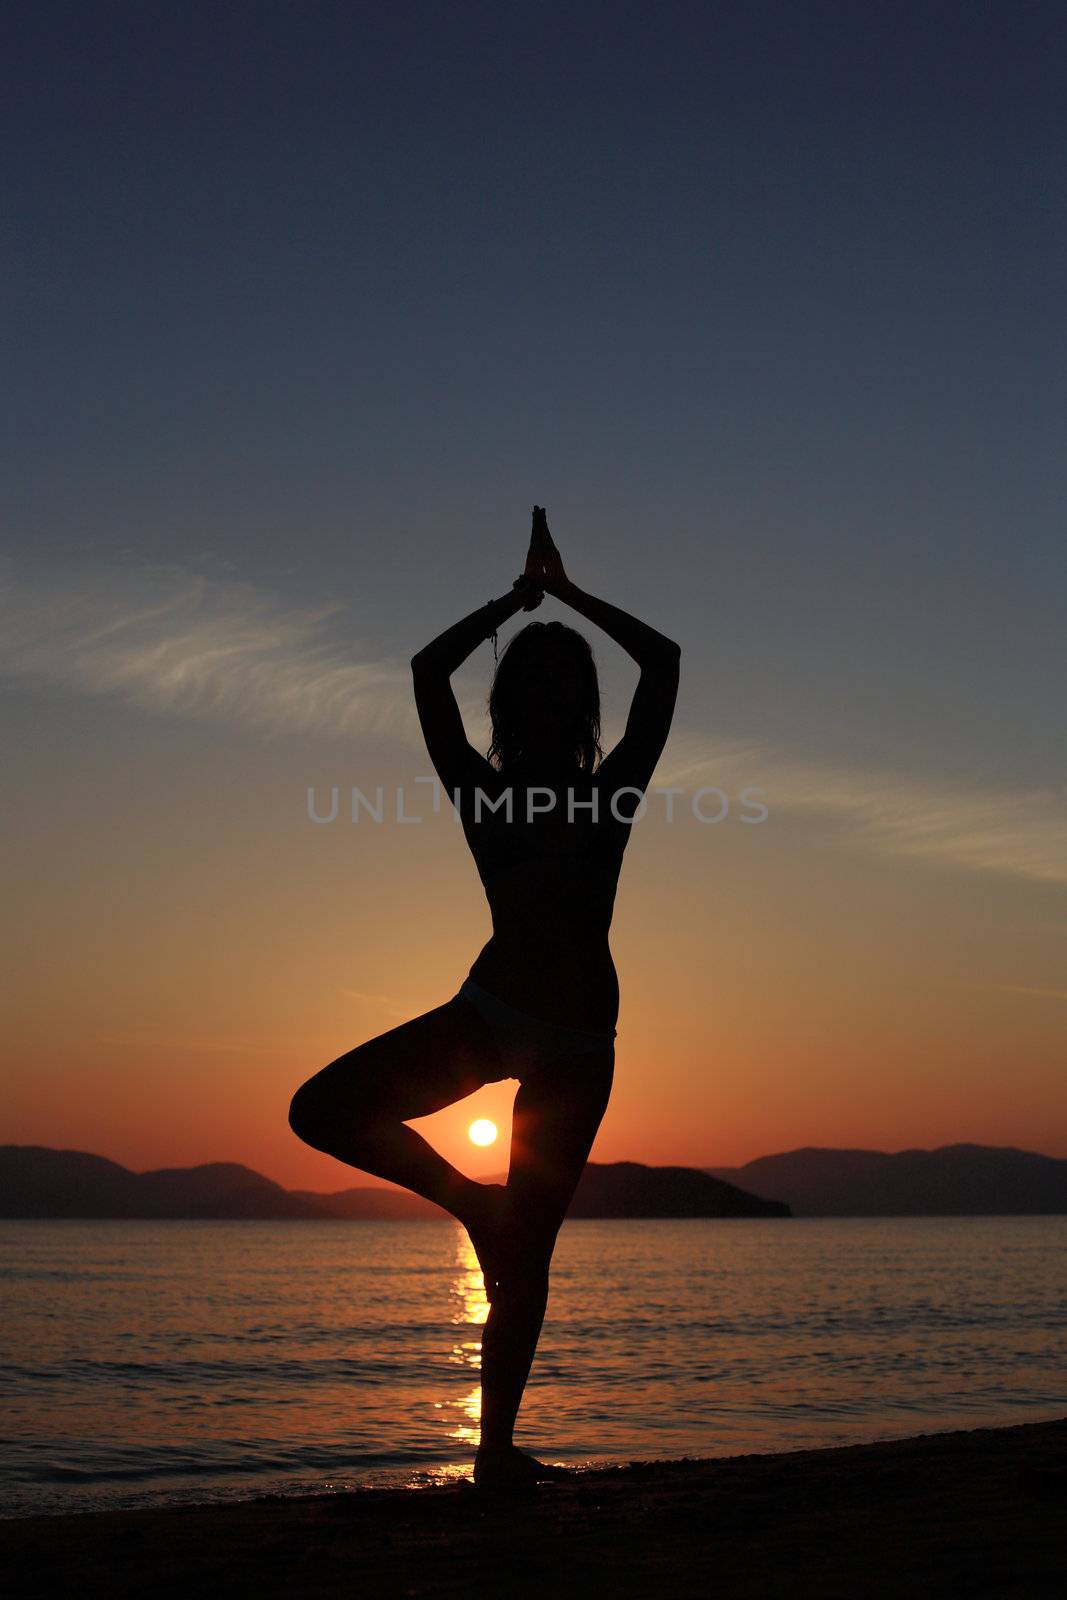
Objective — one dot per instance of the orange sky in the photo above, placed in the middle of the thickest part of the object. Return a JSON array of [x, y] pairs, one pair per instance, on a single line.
[[187, 947], [767, 315]]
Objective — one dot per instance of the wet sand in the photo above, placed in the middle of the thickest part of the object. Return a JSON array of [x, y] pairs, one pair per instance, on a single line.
[[979, 1512]]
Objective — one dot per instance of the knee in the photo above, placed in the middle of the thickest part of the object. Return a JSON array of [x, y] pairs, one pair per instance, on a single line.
[[306, 1115], [325, 1110]]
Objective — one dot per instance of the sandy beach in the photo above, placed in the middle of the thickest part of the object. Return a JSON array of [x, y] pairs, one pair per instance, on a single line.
[[977, 1512]]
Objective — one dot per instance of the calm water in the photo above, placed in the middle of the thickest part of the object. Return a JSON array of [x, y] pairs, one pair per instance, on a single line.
[[147, 1362]]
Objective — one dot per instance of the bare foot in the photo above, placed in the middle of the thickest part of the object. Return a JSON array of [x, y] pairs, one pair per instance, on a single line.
[[508, 1467], [488, 1223]]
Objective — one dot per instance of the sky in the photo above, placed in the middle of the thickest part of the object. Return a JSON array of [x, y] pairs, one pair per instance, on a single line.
[[305, 307]]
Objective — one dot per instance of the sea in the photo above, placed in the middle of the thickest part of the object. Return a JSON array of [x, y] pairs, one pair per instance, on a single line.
[[156, 1363]]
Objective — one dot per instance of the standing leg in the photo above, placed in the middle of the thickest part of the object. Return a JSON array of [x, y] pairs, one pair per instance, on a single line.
[[555, 1120]]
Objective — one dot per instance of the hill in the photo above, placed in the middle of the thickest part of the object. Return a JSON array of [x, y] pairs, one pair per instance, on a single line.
[[628, 1189], [39, 1182], [955, 1180]]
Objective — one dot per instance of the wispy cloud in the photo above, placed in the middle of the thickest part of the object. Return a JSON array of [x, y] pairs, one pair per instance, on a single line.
[[209, 647], [1022, 832], [213, 647], [378, 1002]]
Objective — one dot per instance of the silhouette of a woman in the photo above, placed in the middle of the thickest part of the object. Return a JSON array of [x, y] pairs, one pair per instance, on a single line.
[[547, 827]]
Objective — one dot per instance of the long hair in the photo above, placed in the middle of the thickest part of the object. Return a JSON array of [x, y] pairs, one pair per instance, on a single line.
[[578, 742]]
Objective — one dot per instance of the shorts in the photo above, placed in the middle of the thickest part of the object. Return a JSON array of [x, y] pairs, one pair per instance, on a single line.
[[524, 1041]]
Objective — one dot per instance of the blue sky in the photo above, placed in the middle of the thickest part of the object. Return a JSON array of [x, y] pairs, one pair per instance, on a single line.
[[763, 302]]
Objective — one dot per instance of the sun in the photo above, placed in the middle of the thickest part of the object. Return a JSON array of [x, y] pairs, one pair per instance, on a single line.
[[482, 1132]]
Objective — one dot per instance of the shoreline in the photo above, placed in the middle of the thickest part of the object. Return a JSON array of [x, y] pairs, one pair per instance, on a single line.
[[972, 1511]]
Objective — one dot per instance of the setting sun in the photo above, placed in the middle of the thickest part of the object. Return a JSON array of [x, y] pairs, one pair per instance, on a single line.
[[482, 1132]]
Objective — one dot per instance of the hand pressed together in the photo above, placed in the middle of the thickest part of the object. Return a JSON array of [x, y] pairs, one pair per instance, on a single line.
[[543, 562]]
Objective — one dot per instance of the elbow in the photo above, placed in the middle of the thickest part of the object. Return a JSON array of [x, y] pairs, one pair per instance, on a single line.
[[662, 661], [670, 662]]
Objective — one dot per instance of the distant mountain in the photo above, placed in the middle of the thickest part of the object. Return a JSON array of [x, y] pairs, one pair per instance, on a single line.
[[955, 1180], [39, 1182], [628, 1189]]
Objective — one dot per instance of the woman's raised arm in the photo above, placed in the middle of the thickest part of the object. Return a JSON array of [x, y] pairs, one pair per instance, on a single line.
[[454, 758], [633, 760]]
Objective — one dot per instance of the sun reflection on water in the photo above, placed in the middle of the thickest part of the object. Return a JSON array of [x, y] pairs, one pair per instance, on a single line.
[[470, 1308], [469, 1305]]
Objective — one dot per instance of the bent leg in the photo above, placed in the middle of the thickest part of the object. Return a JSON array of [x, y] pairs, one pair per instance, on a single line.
[[556, 1117], [356, 1108]]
